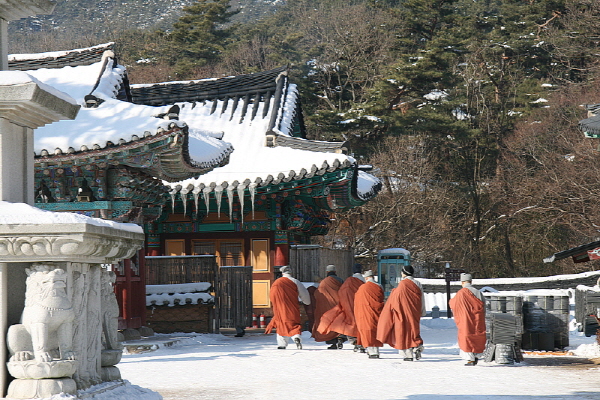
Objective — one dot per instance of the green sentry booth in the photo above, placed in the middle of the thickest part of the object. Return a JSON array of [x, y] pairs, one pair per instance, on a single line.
[[389, 267]]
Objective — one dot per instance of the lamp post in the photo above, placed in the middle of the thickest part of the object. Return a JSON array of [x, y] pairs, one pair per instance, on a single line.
[[448, 278]]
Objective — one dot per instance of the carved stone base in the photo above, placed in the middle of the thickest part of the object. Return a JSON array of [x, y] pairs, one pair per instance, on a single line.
[[110, 357], [109, 374], [41, 370], [40, 388]]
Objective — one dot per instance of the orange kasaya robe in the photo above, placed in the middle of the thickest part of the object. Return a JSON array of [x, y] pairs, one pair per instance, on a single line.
[[399, 323], [286, 308], [469, 316], [340, 318], [310, 309], [368, 303], [326, 297]]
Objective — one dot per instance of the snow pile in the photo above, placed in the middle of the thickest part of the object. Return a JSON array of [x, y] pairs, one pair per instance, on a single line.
[[107, 391], [24, 214], [178, 294], [588, 350]]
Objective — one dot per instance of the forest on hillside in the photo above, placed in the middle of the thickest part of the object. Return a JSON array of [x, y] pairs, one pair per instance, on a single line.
[[467, 110]]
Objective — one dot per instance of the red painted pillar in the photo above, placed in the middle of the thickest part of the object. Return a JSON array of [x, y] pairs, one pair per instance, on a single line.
[[127, 304], [142, 286]]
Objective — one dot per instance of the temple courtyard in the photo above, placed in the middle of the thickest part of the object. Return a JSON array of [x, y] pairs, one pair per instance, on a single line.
[[222, 366]]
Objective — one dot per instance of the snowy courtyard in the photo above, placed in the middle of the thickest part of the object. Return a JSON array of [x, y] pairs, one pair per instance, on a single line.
[[211, 366]]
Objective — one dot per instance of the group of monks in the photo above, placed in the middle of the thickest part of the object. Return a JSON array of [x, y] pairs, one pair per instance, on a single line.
[[354, 310]]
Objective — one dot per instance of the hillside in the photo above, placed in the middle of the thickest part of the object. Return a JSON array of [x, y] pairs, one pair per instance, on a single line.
[[102, 16]]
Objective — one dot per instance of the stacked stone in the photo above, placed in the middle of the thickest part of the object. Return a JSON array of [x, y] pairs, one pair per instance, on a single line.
[[546, 322]]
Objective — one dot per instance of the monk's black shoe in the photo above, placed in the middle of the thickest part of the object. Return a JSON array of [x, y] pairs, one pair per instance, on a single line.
[[408, 359], [333, 347], [472, 362], [281, 347], [373, 355]]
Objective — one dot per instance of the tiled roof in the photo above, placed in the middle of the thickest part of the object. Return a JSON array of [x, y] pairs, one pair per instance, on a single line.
[[590, 126], [108, 126], [71, 58], [234, 88]]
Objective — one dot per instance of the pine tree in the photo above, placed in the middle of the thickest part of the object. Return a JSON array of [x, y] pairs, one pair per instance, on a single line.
[[201, 34]]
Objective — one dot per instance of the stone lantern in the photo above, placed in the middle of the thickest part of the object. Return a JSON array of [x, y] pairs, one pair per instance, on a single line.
[[55, 304]]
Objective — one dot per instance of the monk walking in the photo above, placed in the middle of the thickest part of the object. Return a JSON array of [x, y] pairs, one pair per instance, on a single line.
[[327, 297], [399, 324], [468, 307], [340, 318], [368, 303], [284, 295]]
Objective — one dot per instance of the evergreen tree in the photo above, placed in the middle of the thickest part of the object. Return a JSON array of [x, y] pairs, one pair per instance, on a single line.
[[200, 36]]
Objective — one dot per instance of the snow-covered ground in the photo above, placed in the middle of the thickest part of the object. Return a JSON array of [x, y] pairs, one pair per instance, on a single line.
[[211, 366]]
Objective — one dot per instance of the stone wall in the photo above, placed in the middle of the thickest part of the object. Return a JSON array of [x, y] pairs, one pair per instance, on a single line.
[[520, 284]]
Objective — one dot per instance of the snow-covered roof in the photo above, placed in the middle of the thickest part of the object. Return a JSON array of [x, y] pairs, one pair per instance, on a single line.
[[178, 294], [395, 251], [111, 122], [243, 124], [58, 59], [267, 151]]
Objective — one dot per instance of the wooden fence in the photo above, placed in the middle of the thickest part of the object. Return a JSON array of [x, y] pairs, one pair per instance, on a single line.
[[308, 262], [232, 285], [167, 270]]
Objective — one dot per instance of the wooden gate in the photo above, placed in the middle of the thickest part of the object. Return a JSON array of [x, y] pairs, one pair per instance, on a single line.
[[234, 293], [309, 262]]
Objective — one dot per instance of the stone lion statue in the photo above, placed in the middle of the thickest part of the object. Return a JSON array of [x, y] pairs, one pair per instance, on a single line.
[[46, 330]]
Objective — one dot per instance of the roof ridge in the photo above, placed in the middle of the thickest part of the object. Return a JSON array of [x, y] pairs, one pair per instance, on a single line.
[[58, 59]]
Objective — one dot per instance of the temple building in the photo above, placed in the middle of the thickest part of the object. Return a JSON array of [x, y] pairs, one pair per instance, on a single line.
[[214, 166]]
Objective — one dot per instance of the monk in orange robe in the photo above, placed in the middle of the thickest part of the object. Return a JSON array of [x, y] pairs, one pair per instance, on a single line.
[[341, 317], [327, 297], [468, 307], [368, 303], [399, 323], [284, 296]]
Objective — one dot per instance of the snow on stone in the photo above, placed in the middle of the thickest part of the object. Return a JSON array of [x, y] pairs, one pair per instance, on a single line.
[[24, 214], [12, 78], [108, 391], [178, 294]]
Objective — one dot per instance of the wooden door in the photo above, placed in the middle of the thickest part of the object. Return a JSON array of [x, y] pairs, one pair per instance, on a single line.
[[175, 247]]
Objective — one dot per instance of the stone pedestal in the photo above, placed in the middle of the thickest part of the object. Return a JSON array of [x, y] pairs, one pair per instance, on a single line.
[[79, 248]]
